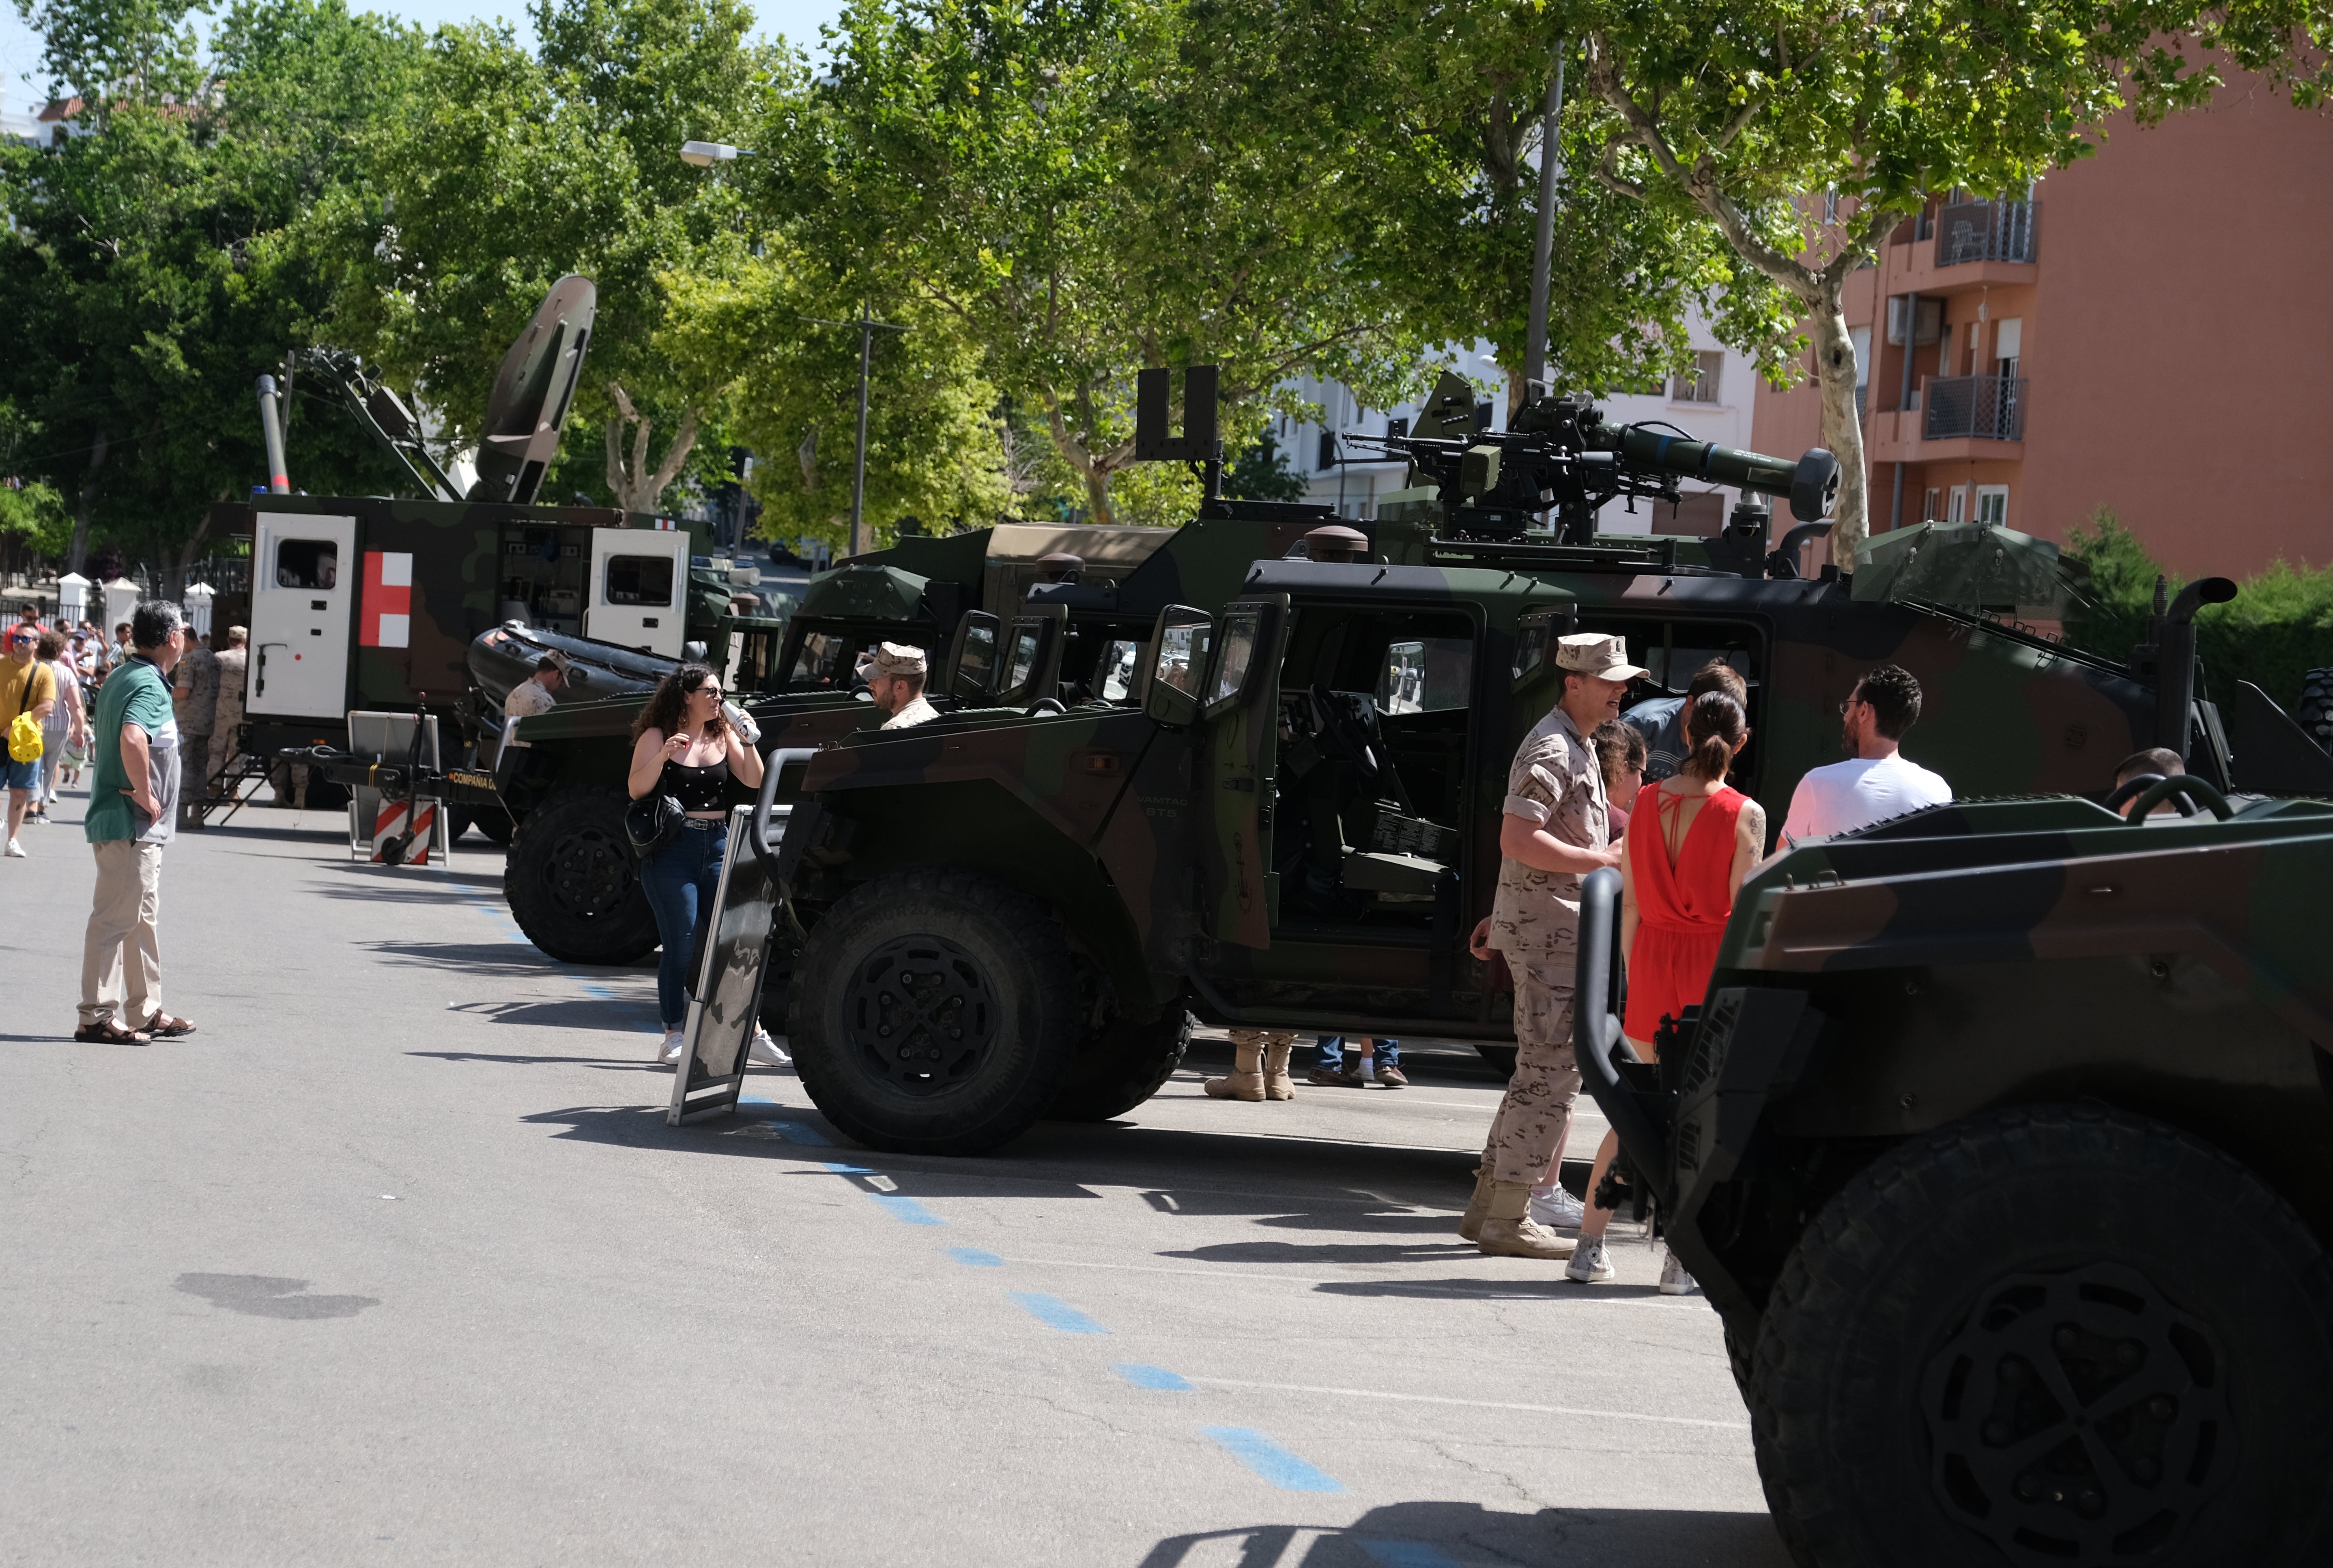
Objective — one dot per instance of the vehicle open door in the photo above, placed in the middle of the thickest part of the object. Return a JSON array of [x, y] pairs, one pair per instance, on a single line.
[[301, 594], [1239, 719], [970, 674], [1033, 656], [640, 578]]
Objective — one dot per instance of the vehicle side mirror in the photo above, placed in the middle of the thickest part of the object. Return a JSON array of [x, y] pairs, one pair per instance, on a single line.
[[1179, 649], [972, 659]]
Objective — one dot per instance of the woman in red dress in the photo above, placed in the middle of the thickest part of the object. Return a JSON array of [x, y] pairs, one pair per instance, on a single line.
[[1693, 838]]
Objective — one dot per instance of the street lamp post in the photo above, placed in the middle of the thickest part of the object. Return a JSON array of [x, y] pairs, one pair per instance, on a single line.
[[705, 155]]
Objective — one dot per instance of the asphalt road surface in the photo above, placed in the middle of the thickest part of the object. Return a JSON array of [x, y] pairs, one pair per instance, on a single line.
[[396, 1262]]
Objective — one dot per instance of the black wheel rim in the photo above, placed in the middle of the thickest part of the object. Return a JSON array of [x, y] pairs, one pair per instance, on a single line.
[[2079, 1417], [922, 1014], [590, 874]]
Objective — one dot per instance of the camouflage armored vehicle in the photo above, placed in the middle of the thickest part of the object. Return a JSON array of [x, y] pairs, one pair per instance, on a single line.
[[2003, 1144], [1005, 916], [571, 882]]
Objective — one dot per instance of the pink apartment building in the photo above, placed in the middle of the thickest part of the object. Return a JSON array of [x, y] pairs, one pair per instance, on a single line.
[[2149, 332]]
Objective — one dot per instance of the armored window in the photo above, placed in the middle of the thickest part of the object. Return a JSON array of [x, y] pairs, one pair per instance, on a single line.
[[1243, 625], [639, 579], [815, 666], [1114, 671], [307, 563], [1531, 643], [1023, 662], [975, 667]]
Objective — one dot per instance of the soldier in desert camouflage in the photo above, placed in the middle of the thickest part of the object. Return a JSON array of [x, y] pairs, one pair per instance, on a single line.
[[1555, 832]]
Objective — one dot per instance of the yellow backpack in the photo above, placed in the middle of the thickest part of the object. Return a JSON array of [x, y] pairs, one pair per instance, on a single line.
[[23, 730]]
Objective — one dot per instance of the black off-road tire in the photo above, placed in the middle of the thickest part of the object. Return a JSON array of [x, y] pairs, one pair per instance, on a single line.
[[935, 1012], [2050, 1334], [1123, 1064], [1501, 1059], [573, 885], [2315, 713]]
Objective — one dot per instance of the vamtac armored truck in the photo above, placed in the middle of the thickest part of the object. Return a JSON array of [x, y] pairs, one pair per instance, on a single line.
[[2004, 1145]]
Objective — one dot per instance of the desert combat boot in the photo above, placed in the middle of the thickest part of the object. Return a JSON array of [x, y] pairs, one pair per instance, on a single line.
[[1277, 1084], [1246, 1079], [1510, 1231]]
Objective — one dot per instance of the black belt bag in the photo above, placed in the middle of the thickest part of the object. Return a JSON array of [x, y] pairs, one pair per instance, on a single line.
[[651, 822]]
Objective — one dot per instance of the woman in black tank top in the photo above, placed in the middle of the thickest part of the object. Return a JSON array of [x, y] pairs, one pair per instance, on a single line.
[[684, 746]]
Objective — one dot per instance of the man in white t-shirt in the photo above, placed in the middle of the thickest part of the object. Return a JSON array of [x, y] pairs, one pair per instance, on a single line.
[[1879, 783]]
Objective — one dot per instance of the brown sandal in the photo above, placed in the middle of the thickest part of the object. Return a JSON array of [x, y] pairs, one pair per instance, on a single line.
[[109, 1032], [163, 1027]]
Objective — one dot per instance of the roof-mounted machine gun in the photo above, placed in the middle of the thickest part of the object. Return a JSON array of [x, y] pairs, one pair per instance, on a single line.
[[1560, 457]]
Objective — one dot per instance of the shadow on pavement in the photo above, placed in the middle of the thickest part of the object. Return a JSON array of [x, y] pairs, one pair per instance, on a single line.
[[1288, 1252], [507, 958], [1469, 1535]]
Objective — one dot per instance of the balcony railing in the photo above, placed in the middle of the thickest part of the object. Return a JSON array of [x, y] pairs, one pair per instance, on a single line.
[[1987, 232], [1988, 407]]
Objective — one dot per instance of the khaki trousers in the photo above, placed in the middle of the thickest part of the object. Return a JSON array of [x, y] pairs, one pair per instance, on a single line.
[[1535, 1118], [121, 957]]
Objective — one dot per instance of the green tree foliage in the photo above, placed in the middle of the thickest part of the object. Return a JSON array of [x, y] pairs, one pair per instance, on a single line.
[[1089, 189], [1431, 123], [1730, 112], [1262, 474], [516, 169], [2278, 628], [933, 446], [152, 270]]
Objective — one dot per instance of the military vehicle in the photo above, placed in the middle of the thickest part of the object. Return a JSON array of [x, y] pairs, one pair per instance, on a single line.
[[2004, 1145], [371, 602], [1006, 914]]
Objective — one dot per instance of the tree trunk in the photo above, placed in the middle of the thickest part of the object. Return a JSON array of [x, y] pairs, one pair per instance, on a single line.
[[1842, 430], [1098, 507], [85, 507], [635, 486]]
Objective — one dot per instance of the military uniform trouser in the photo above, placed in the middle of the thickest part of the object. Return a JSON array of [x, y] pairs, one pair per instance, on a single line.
[[1263, 1039], [1535, 1117]]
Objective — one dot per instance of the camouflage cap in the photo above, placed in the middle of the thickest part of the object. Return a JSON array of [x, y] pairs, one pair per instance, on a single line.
[[899, 659], [1594, 654]]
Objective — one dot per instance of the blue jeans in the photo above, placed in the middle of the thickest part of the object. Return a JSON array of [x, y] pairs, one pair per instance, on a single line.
[[681, 879], [1333, 1052]]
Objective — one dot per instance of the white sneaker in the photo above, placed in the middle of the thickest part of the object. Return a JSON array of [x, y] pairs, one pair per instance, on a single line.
[[1556, 1208], [16, 851], [1589, 1264], [675, 1043], [767, 1051], [1675, 1280]]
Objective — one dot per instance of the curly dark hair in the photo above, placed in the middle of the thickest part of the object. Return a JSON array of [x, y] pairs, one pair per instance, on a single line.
[[670, 701], [1894, 698]]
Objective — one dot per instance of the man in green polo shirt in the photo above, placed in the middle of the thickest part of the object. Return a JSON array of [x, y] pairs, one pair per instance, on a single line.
[[133, 810]]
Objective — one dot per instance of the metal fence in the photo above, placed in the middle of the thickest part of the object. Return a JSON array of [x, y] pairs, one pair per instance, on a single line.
[[1989, 407], [1987, 232]]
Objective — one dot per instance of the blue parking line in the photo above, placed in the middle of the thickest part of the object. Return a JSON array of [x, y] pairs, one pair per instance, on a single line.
[[907, 1210], [1153, 1377], [841, 1170], [792, 1131], [1406, 1555], [973, 1256], [1270, 1460], [1056, 1314]]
